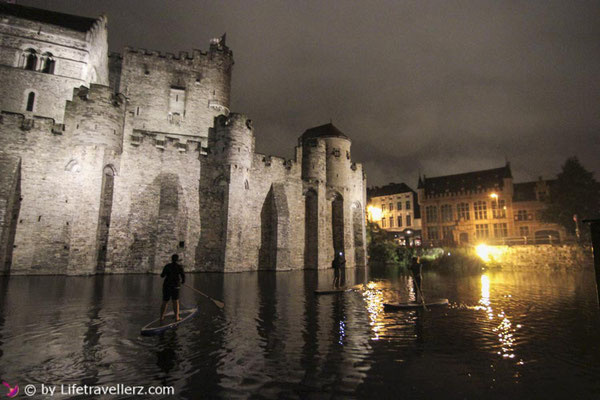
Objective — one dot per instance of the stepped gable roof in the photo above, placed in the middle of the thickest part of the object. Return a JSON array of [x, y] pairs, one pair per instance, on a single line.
[[69, 21], [388, 190], [327, 130], [469, 181]]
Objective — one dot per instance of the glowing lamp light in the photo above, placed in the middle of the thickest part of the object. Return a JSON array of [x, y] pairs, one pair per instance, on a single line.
[[494, 195], [375, 213], [488, 253]]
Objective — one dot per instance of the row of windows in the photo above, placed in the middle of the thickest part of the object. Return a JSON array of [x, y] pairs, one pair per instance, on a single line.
[[480, 211], [390, 221], [384, 207], [524, 215], [482, 231], [31, 60]]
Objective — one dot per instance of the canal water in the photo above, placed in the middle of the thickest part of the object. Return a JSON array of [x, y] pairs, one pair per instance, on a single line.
[[506, 335]]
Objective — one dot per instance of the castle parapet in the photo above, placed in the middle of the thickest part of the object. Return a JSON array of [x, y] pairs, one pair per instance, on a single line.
[[95, 116]]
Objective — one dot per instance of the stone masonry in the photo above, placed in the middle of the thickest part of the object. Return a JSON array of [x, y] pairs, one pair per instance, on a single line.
[[111, 163]]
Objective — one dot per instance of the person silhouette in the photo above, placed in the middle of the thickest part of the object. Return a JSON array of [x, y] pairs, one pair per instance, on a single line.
[[174, 278]]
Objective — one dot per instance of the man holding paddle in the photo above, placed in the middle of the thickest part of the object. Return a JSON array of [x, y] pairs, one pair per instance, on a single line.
[[415, 268], [174, 277]]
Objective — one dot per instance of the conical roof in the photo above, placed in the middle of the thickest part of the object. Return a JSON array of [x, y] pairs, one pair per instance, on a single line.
[[327, 130]]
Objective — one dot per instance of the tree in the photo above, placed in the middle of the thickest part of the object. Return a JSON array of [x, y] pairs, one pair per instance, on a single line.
[[575, 192]]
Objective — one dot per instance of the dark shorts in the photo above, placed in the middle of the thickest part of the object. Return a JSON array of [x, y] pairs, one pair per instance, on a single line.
[[170, 293]]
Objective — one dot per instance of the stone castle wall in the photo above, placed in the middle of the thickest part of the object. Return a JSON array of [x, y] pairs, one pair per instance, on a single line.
[[115, 177], [60, 175], [175, 95], [155, 206], [80, 59]]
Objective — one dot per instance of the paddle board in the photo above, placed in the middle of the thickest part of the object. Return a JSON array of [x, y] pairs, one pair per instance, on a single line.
[[157, 326], [332, 291], [413, 305]]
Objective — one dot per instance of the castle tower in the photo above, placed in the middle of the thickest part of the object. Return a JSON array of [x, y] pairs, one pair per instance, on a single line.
[[225, 177], [94, 121], [334, 220], [175, 96]]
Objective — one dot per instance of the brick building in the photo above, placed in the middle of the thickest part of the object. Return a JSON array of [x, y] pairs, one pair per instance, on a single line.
[[485, 206], [111, 163]]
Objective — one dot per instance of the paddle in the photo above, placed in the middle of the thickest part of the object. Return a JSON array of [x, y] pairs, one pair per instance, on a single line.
[[422, 297], [217, 303]]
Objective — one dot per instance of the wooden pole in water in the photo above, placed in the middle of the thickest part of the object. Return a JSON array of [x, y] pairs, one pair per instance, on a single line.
[[595, 228]]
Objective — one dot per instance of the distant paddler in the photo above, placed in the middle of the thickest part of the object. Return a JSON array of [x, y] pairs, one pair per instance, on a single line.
[[174, 278], [339, 270], [415, 269]]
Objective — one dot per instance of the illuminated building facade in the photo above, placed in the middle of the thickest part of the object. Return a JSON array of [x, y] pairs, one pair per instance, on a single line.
[[485, 206], [395, 208]]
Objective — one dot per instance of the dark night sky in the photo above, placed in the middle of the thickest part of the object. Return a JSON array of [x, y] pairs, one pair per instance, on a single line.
[[439, 87]]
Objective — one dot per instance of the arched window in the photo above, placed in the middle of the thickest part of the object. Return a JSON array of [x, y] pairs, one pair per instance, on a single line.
[[30, 101], [48, 61], [30, 59]]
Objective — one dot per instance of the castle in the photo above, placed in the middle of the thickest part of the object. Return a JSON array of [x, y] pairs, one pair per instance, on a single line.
[[110, 163]]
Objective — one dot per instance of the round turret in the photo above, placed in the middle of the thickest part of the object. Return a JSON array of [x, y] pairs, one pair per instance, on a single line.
[[234, 140], [218, 73], [326, 155]]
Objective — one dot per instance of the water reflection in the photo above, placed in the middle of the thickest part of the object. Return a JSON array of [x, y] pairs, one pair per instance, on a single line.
[[504, 331], [374, 301], [276, 339]]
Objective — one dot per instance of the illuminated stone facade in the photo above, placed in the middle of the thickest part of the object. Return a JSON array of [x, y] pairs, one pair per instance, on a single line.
[[111, 163]]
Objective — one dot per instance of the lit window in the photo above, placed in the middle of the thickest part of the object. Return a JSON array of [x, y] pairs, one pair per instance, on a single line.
[[480, 208], [500, 230], [482, 231], [431, 213], [498, 208], [462, 210], [446, 211]]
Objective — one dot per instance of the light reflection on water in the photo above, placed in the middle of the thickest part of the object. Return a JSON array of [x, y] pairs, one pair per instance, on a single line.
[[508, 334]]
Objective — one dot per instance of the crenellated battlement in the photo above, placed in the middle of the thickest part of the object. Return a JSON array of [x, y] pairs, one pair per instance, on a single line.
[[268, 161], [98, 27], [161, 142], [182, 56], [24, 122]]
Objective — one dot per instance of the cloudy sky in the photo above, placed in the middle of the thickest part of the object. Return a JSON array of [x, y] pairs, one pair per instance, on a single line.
[[436, 87]]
